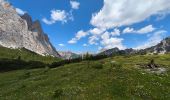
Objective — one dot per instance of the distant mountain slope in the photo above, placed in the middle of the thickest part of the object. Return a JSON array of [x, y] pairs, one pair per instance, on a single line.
[[161, 48], [22, 32], [68, 55]]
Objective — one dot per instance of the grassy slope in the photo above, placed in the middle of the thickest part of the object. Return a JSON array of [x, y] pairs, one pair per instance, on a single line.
[[25, 55], [77, 81]]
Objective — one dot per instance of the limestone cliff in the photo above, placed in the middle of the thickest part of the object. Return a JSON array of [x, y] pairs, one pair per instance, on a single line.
[[21, 32]]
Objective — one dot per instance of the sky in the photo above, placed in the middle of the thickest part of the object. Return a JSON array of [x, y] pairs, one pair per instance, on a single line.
[[95, 25]]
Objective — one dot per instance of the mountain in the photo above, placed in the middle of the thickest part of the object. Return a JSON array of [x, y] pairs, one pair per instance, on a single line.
[[110, 51], [116, 51], [68, 55], [21, 32], [161, 48]]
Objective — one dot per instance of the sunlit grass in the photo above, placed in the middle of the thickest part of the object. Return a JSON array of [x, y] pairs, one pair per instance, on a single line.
[[118, 79]]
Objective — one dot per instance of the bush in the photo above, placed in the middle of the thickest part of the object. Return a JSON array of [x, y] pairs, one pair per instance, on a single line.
[[97, 65], [57, 93], [12, 64], [117, 65], [25, 75], [46, 69]]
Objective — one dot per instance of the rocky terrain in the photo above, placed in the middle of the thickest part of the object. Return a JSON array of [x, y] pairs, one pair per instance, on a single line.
[[68, 55], [161, 48], [21, 32]]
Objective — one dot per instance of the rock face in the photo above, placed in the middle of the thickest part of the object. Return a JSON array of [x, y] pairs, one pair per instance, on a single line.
[[21, 32], [110, 51], [161, 48], [116, 51], [68, 55]]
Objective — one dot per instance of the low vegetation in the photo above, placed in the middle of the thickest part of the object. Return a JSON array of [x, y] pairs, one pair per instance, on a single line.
[[113, 78], [25, 55]]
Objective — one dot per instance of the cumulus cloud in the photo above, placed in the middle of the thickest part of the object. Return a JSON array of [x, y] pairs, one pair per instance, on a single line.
[[127, 12], [93, 40], [20, 11], [116, 32], [80, 34], [96, 31], [128, 30], [85, 45], [154, 39], [61, 45], [144, 30], [115, 14], [111, 42], [99, 36], [74, 4], [72, 41], [58, 15]]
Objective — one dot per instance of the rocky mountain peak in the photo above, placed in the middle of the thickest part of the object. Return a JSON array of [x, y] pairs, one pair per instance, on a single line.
[[28, 19], [21, 32], [161, 48]]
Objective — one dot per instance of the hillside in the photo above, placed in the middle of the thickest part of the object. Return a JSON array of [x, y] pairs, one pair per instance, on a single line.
[[24, 54], [123, 80]]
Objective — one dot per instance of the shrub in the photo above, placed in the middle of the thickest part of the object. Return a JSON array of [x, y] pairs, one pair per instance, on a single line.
[[46, 69], [97, 65], [117, 65], [58, 93], [25, 75]]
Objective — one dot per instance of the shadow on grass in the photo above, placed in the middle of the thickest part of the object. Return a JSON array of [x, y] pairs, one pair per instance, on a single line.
[[15, 64]]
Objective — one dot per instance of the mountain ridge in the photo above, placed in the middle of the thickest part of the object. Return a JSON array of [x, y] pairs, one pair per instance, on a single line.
[[161, 48], [21, 32]]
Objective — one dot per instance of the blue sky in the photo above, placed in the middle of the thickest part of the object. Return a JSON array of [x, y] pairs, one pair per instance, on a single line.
[[94, 25]]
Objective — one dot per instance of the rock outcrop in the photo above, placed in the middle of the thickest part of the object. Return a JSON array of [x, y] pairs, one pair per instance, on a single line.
[[68, 55], [21, 32], [161, 48]]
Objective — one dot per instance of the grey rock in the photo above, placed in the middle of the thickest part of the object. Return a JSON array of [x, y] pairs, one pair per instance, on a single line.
[[21, 32], [68, 55]]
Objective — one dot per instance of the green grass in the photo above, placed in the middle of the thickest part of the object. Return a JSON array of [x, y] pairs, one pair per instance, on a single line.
[[24, 54], [79, 81]]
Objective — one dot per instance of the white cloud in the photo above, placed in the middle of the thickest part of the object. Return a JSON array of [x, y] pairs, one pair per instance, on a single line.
[[85, 45], [153, 39], [80, 34], [128, 30], [74, 4], [144, 30], [93, 40], [127, 12], [72, 41], [61, 45], [111, 42], [96, 31], [116, 32], [98, 34], [49, 22], [58, 15], [105, 36], [20, 11]]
